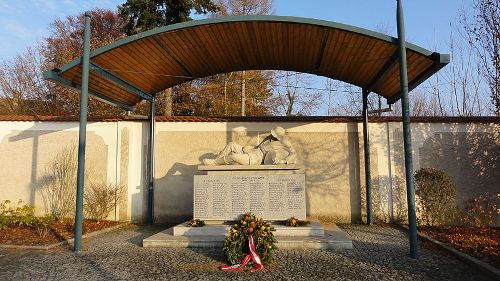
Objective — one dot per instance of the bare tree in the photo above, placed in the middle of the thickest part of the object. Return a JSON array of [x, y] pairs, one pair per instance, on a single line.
[[332, 86], [482, 30], [245, 7], [457, 90], [23, 91], [343, 98], [293, 96], [65, 44], [462, 81], [421, 104]]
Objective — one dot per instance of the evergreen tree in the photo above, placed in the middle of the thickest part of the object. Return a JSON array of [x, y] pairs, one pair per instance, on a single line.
[[142, 15]]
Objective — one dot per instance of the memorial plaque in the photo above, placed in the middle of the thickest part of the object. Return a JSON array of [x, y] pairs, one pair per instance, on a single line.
[[272, 197]]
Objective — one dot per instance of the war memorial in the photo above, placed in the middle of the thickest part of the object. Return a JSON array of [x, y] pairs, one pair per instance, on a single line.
[[377, 63], [263, 180], [230, 193]]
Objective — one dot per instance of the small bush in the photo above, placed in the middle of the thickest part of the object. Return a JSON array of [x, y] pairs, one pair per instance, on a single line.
[[20, 215], [59, 186], [435, 192], [101, 199], [42, 225]]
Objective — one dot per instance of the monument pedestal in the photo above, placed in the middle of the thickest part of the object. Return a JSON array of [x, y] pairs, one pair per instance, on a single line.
[[314, 236], [315, 229], [273, 192]]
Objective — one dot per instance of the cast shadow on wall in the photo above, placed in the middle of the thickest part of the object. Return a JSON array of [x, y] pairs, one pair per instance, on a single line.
[[174, 192], [332, 174], [471, 159], [42, 171], [388, 200]]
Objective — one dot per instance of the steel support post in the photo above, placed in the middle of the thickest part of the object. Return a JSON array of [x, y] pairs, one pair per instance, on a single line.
[[84, 97], [150, 164], [366, 144], [403, 74]]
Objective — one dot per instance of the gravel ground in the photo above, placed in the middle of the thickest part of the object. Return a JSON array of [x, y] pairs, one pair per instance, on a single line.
[[380, 253]]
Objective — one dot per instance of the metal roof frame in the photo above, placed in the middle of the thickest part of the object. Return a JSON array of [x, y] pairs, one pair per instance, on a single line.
[[439, 60]]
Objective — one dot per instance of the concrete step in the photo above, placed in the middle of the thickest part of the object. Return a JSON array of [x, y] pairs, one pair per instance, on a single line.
[[334, 238], [313, 229]]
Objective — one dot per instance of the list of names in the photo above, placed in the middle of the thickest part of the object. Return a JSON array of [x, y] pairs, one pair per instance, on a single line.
[[272, 197]]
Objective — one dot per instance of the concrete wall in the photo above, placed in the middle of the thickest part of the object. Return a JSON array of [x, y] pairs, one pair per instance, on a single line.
[[331, 153]]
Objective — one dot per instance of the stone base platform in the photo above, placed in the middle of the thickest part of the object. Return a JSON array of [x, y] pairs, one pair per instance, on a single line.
[[314, 229], [314, 236]]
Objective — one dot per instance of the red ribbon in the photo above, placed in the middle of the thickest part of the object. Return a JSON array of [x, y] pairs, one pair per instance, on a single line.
[[253, 255]]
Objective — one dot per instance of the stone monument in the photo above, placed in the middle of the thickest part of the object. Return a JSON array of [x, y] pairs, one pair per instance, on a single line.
[[264, 180]]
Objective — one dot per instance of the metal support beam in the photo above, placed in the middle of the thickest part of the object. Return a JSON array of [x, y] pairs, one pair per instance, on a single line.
[[122, 83], [150, 164], [440, 61], [382, 110], [393, 59], [366, 145], [84, 98], [403, 74], [54, 77]]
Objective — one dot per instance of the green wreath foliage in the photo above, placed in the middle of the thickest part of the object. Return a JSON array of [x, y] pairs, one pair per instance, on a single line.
[[236, 242]]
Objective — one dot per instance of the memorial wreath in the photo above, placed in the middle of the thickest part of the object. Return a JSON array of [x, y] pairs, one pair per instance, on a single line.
[[293, 222], [195, 223], [250, 238]]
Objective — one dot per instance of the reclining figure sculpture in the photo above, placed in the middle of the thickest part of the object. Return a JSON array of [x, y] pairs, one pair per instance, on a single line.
[[274, 149]]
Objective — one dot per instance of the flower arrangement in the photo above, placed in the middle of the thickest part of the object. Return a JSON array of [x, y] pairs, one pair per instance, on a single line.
[[236, 244], [293, 222], [195, 223]]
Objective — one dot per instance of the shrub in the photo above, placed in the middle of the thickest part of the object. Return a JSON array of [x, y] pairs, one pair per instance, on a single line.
[[21, 215], [435, 192], [59, 187], [42, 225], [101, 199]]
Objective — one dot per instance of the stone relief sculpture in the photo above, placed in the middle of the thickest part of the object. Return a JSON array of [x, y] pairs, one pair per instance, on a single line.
[[274, 149]]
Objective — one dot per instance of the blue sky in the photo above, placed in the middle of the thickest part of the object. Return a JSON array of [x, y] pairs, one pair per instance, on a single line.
[[25, 22]]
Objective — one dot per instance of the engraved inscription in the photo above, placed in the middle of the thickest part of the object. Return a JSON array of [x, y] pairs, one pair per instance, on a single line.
[[258, 191], [273, 197], [219, 202], [239, 196]]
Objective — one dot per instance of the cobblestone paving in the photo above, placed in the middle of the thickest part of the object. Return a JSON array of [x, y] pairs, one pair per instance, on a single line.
[[380, 253]]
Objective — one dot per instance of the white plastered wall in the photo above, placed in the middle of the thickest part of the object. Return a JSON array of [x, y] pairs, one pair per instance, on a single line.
[[332, 154]]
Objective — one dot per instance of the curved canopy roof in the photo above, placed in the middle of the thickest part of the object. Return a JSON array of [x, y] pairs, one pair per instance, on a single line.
[[134, 68]]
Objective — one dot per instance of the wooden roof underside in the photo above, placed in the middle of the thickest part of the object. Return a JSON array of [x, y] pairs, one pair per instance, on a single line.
[[134, 68]]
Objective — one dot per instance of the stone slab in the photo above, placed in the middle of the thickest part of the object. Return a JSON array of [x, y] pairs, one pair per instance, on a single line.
[[251, 169], [314, 229], [334, 239], [247, 167], [272, 197]]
